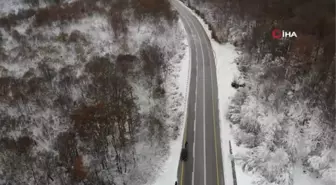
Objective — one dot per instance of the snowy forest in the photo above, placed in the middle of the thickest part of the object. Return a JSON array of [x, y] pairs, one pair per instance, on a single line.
[[285, 115], [87, 90]]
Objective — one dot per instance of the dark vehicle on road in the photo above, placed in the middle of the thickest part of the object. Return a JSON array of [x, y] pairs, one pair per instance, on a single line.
[[184, 152]]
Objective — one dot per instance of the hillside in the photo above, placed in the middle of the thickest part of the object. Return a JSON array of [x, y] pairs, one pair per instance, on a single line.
[[89, 90]]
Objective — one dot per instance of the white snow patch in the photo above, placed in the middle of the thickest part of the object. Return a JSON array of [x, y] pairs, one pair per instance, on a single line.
[[70, 1], [300, 178], [14, 134], [11, 6], [140, 33], [226, 70], [143, 98], [242, 177], [183, 81], [17, 70], [21, 28], [168, 173], [8, 42], [99, 32]]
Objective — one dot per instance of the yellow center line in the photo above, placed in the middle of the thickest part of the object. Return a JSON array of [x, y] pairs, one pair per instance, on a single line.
[[182, 168]]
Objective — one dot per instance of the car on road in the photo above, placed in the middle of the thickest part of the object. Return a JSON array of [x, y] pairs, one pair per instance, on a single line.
[[184, 152]]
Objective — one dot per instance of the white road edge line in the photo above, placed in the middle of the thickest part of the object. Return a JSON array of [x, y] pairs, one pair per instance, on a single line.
[[194, 127], [194, 152], [196, 86]]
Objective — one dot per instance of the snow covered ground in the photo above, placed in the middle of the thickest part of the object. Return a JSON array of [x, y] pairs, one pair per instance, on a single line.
[[14, 6], [168, 173], [11, 6], [95, 38]]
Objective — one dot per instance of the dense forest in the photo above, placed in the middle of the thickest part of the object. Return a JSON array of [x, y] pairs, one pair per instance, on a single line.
[[85, 95], [285, 115]]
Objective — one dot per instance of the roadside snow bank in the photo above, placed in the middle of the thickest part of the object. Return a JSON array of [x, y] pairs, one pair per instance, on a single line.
[[168, 173], [226, 70]]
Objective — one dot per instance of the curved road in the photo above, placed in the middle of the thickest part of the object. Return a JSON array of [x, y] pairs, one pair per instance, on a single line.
[[204, 165]]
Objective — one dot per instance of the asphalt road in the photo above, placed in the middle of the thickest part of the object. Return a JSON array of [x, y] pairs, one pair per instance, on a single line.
[[204, 165]]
